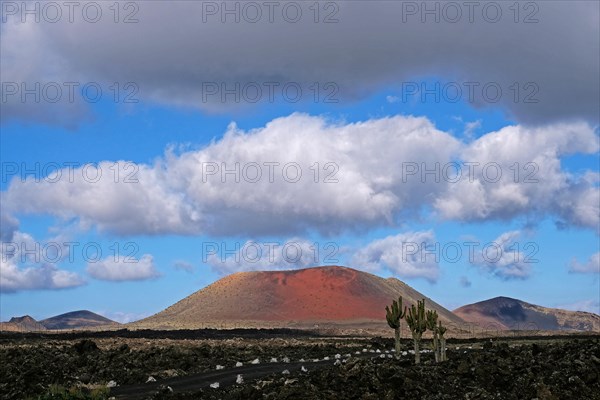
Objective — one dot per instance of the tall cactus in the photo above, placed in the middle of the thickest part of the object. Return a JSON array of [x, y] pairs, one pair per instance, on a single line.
[[432, 325], [394, 319], [418, 324], [440, 331]]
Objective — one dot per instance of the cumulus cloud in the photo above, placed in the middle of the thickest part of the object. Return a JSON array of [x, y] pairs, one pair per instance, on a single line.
[[503, 259], [24, 266], [122, 268], [260, 256], [517, 171], [305, 173], [44, 277], [312, 174], [592, 266], [172, 68], [406, 255]]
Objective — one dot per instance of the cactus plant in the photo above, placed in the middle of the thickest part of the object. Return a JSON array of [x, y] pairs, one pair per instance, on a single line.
[[440, 331], [415, 318], [394, 319], [432, 324]]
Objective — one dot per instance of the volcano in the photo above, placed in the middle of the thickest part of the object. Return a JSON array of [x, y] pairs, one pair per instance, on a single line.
[[77, 320], [504, 313], [304, 297]]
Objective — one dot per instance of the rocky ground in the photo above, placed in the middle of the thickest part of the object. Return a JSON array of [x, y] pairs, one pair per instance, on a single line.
[[535, 368]]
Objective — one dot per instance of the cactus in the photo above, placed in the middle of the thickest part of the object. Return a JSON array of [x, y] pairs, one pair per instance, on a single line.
[[394, 319], [440, 331], [415, 318], [432, 325]]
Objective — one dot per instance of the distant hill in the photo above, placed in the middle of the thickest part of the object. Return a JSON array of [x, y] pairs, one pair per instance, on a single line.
[[302, 297], [505, 313], [72, 320], [77, 320], [22, 324]]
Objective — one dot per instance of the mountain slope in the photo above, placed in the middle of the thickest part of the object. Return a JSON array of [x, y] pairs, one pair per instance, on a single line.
[[76, 320], [505, 313], [22, 324], [302, 297]]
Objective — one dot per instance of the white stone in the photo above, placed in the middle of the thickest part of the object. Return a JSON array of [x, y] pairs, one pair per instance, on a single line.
[[303, 369], [150, 379], [255, 361], [215, 385], [220, 367], [239, 380], [239, 364], [111, 384], [273, 360], [286, 372]]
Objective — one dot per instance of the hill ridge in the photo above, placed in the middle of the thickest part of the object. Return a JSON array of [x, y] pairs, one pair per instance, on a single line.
[[508, 313]]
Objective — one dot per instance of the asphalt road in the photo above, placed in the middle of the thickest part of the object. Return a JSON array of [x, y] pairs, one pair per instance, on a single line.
[[225, 377]]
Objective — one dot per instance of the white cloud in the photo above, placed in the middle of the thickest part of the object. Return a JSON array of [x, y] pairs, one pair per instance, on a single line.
[[365, 186], [24, 266], [539, 187], [260, 256], [123, 269], [592, 266], [406, 255], [503, 257], [46, 276], [176, 195]]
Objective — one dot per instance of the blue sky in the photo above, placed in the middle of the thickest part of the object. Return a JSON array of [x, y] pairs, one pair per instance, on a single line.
[[167, 221]]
